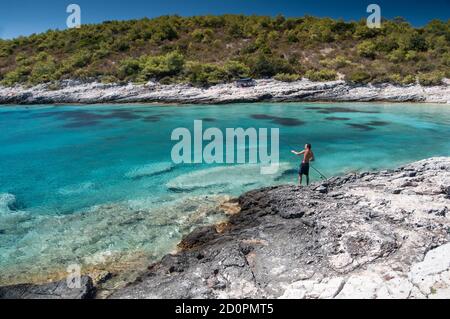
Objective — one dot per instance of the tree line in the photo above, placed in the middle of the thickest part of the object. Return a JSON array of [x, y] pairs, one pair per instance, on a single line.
[[206, 50]]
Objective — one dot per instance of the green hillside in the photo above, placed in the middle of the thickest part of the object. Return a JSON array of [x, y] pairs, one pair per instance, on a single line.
[[213, 49]]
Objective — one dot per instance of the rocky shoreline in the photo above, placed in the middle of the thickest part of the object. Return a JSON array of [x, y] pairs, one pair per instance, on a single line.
[[270, 90], [364, 235]]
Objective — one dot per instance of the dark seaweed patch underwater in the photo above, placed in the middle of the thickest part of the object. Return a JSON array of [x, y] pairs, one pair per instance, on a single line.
[[284, 121]]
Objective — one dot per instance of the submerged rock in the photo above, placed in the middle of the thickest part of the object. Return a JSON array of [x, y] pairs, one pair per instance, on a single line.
[[150, 170], [225, 178]]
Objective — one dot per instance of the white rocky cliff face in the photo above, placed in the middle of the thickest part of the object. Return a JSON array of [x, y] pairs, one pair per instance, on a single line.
[[264, 90]]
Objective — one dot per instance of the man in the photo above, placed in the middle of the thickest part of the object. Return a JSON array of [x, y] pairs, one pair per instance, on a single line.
[[308, 156]]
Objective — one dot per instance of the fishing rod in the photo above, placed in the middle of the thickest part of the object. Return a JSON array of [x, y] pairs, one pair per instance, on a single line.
[[321, 175]]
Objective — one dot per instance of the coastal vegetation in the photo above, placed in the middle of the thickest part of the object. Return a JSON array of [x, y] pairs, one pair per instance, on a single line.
[[206, 50]]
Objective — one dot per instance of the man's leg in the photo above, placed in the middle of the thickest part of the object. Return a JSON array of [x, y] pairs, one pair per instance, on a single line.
[[300, 179], [307, 179]]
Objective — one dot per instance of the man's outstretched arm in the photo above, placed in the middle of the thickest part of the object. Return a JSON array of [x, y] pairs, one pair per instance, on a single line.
[[298, 153]]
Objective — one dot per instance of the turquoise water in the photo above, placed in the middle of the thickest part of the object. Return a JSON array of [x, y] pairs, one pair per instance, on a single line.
[[95, 185]]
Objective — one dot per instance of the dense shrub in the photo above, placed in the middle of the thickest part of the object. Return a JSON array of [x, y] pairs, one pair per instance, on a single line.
[[5, 49], [321, 75], [43, 71], [287, 77], [150, 67], [446, 59], [409, 79], [19, 75], [367, 49], [336, 63], [164, 31], [417, 42], [359, 77], [265, 65], [129, 69], [204, 74], [429, 79], [107, 79], [76, 61], [236, 70], [396, 56], [291, 36], [203, 35], [157, 67]]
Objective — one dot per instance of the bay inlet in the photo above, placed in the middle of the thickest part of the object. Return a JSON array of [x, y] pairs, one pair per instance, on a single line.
[[95, 184]]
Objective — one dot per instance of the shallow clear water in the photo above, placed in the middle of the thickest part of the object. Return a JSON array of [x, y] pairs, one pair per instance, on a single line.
[[96, 185]]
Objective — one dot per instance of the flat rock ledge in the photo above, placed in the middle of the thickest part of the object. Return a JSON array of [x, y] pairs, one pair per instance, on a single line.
[[363, 235], [71, 91]]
